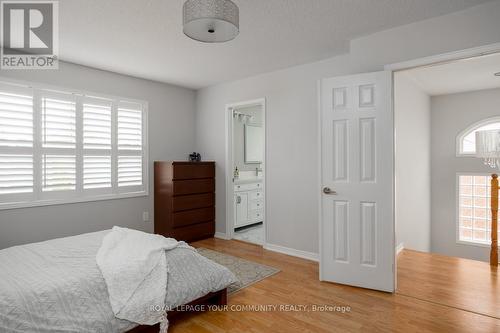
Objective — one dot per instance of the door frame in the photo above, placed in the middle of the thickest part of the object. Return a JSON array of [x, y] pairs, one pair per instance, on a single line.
[[440, 59], [230, 212], [434, 60]]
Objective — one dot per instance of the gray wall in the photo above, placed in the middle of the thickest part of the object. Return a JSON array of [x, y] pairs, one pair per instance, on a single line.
[[412, 120], [450, 115], [171, 136], [292, 115], [239, 138]]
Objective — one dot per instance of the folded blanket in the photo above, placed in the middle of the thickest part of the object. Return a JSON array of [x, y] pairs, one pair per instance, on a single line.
[[134, 266]]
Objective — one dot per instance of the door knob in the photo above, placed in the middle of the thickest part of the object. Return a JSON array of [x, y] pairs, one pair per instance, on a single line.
[[327, 190]]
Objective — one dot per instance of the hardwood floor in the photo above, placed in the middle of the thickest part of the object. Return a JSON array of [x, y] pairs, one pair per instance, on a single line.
[[456, 282], [298, 283]]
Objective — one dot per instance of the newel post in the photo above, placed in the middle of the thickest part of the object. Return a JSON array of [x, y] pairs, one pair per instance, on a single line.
[[494, 221]]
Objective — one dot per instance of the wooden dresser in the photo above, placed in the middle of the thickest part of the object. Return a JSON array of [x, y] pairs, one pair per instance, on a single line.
[[184, 197]]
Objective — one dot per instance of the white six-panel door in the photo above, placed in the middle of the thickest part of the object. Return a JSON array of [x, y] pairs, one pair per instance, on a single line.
[[357, 228]]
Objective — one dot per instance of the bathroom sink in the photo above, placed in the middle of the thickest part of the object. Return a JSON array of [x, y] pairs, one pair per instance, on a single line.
[[247, 180]]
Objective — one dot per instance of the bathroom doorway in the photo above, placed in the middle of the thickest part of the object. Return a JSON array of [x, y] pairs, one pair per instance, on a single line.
[[246, 173]]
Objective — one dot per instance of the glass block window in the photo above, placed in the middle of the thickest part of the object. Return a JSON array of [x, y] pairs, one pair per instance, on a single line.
[[474, 214]]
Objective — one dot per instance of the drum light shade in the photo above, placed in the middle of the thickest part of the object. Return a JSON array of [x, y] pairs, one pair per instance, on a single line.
[[211, 21], [488, 147]]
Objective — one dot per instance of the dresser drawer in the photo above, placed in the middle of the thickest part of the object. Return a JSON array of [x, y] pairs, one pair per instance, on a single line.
[[256, 195], [256, 204], [193, 171], [193, 232], [194, 201], [257, 215], [247, 187], [195, 216], [183, 187]]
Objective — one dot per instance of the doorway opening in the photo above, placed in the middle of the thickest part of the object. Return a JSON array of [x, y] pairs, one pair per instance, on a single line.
[[246, 172], [442, 195]]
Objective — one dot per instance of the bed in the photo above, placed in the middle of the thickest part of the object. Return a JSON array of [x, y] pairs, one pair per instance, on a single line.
[[56, 286]]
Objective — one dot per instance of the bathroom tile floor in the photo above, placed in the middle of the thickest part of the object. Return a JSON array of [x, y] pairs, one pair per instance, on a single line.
[[252, 234]]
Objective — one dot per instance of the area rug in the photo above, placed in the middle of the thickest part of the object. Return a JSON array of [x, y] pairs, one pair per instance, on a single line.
[[247, 272]]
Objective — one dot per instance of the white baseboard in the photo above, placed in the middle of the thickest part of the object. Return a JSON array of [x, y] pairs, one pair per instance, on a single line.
[[399, 248], [292, 252], [221, 235]]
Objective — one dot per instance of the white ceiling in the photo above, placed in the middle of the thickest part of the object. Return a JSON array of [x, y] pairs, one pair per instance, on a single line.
[[460, 76], [144, 38]]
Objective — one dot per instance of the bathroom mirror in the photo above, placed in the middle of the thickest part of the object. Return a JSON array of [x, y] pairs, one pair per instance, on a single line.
[[254, 143]]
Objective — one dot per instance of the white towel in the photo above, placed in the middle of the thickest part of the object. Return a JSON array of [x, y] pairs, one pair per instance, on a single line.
[[134, 266]]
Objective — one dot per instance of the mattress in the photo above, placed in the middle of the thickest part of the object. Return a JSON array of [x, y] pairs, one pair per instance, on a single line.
[[56, 286]]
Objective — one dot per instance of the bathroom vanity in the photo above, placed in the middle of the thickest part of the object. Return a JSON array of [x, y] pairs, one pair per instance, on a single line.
[[248, 201]]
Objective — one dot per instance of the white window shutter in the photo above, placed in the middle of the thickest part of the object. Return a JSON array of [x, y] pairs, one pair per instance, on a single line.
[[96, 126], [16, 174], [59, 173], [96, 172], [129, 171], [58, 134], [129, 126], [58, 123], [16, 120], [16, 141], [130, 136]]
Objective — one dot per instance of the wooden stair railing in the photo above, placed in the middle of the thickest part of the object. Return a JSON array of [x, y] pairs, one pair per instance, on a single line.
[[494, 221]]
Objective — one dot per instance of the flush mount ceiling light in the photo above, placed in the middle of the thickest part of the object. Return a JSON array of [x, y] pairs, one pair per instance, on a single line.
[[211, 21]]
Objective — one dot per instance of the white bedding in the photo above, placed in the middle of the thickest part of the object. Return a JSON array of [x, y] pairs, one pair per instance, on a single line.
[[56, 286], [134, 266]]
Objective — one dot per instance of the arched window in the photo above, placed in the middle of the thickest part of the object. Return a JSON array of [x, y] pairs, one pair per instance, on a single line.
[[466, 140]]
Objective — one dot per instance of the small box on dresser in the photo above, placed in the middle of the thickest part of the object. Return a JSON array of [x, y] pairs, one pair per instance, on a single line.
[[184, 200]]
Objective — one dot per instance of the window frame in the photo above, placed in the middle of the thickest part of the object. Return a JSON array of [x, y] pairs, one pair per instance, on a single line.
[[457, 209], [79, 195], [460, 137]]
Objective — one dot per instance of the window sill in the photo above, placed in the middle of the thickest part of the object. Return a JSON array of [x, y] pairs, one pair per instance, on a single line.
[[51, 202], [461, 242]]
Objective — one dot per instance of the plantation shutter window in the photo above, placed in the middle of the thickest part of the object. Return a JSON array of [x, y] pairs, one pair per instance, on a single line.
[[129, 126], [96, 172], [97, 144], [60, 146], [130, 145], [59, 172], [16, 143], [16, 174], [16, 119], [58, 123], [97, 125], [129, 170]]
